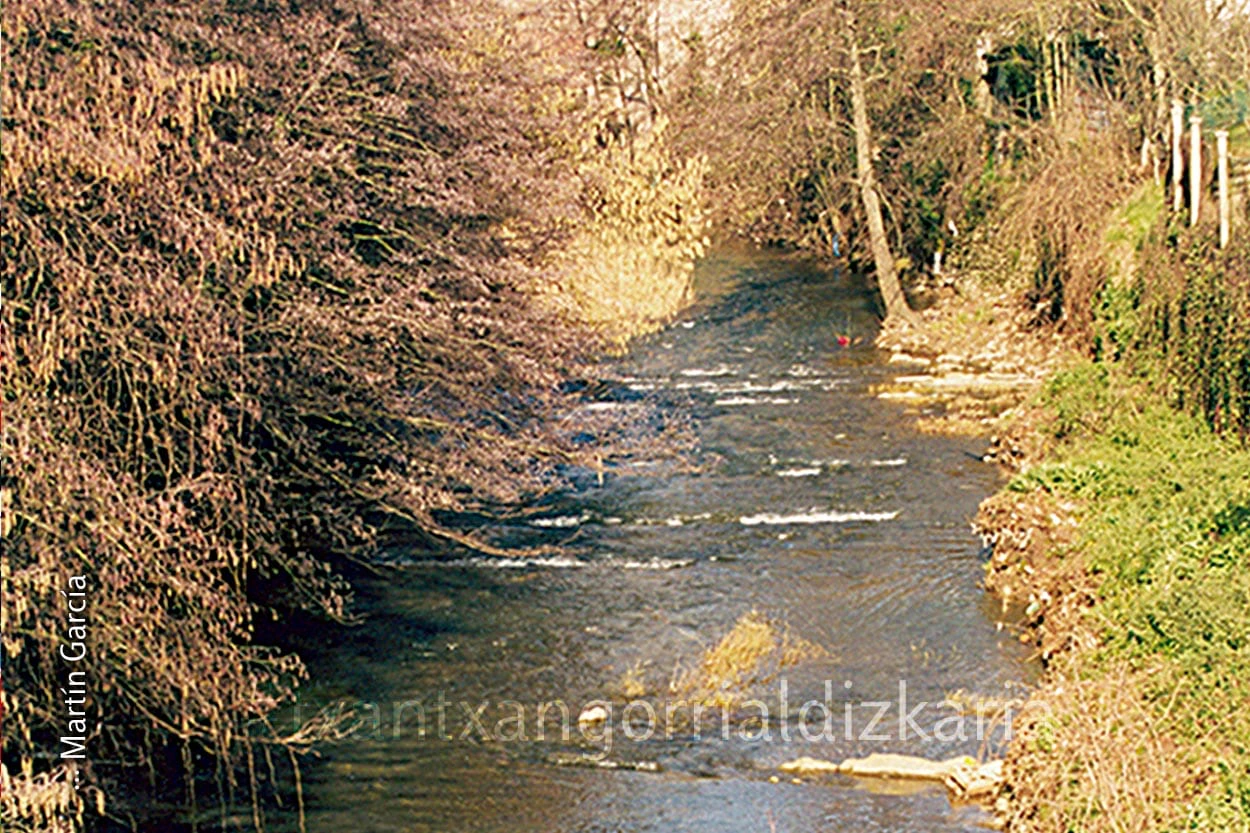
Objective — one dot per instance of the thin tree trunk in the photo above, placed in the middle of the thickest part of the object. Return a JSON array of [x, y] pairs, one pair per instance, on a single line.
[[883, 260]]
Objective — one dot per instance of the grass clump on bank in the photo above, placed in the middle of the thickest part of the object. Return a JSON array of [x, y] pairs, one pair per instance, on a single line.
[[1146, 723]]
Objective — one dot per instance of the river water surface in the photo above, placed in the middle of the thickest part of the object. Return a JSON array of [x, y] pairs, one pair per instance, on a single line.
[[814, 503]]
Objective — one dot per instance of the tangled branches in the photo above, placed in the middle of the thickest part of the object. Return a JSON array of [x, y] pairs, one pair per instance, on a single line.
[[257, 300]]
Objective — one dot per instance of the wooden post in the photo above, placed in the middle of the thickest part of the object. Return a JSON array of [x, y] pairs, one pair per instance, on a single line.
[[1178, 160], [1195, 168], [1221, 151]]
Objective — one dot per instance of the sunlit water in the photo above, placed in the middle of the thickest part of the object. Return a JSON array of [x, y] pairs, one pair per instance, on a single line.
[[815, 504]]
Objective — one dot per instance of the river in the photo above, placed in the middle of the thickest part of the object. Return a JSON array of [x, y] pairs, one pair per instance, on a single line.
[[814, 503]]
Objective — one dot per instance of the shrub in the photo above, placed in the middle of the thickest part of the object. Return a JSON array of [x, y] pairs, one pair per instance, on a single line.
[[1196, 300], [258, 303], [627, 270]]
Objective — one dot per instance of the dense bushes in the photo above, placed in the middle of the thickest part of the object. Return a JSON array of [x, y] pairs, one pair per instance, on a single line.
[[1195, 313], [775, 119], [269, 275], [1148, 728], [1013, 127]]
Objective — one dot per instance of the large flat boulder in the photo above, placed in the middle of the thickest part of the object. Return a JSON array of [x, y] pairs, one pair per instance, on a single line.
[[963, 776]]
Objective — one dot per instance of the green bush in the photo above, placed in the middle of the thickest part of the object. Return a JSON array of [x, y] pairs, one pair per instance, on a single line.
[[1196, 308], [1166, 531]]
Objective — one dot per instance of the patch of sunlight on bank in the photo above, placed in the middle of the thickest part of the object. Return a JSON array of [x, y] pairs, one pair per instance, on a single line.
[[627, 270]]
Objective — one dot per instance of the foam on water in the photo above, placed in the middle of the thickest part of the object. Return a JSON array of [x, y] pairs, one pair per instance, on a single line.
[[558, 522], [719, 370], [551, 562], [609, 406], [797, 463], [673, 520], [812, 472], [816, 517], [780, 386], [653, 563], [755, 400], [564, 562]]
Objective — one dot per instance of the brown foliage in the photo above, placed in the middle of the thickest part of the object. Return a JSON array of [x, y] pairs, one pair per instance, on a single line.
[[1094, 755], [1056, 223], [257, 299], [627, 270], [775, 117], [1035, 564]]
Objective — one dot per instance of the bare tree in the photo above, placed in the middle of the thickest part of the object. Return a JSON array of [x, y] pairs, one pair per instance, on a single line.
[[883, 259]]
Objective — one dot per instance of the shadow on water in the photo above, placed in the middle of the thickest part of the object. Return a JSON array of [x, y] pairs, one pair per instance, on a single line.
[[816, 504]]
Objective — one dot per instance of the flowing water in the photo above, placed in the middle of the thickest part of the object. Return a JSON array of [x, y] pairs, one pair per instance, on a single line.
[[814, 503]]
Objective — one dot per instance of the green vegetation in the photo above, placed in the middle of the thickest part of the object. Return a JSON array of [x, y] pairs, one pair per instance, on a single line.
[[1194, 313], [1164, 511], [280, 279], [1145, 722]]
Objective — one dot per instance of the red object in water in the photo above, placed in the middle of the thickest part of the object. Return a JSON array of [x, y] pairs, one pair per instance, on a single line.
[[844, 341]]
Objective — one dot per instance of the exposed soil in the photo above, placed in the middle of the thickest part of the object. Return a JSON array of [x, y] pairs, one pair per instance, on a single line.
[[1035, 565]]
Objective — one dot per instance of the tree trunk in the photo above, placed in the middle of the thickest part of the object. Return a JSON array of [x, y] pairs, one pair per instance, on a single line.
[[883, 260]]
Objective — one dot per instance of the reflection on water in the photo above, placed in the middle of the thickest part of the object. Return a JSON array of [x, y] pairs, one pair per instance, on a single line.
[[818, 507]]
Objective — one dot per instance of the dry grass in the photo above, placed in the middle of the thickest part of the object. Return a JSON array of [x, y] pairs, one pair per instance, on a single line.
[[753, 652], [626, 271], [633, 683], [1095, 755], [47, 802], [1057, 220]]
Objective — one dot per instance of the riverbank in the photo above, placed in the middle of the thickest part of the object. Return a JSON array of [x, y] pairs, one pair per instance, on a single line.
[[972, 359], [1123, 536], [1126, 541]]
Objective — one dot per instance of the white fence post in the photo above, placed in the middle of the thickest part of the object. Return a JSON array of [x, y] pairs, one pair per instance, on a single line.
[[1178, 160], [1221, 150], [1195, 168]]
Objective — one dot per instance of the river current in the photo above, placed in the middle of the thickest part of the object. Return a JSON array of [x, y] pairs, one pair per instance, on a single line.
[[811, 502]]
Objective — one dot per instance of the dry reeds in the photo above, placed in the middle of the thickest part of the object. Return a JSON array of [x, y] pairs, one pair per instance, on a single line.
[[1094, 755], [1055, 224], [627, 270], [258, 304], [754, 652]]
